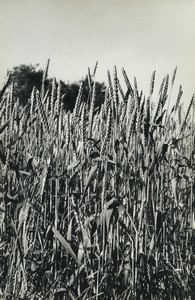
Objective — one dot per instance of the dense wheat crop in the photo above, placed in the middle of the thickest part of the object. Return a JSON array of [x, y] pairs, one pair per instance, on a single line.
[[98, 203]]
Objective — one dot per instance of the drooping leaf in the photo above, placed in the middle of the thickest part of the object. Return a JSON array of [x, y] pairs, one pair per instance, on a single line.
[[69, 233], [89, 178], [2, 128], [73, 165], [80, 252], [64, 243], [2, 209]]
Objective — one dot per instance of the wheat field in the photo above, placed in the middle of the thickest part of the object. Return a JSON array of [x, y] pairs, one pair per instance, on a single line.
[[97, 203]]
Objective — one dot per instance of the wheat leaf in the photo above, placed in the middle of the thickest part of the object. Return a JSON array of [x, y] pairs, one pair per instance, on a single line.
[[91, 174], [64, 243]]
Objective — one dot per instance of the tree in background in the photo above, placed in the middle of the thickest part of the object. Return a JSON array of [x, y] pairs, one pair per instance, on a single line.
[[100, 92], [25, 77], [70, 93]]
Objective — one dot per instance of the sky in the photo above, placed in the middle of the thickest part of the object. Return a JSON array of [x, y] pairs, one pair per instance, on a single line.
[[139, 35]]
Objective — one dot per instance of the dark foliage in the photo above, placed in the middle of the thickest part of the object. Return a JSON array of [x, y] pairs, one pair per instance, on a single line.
[[25, 77]]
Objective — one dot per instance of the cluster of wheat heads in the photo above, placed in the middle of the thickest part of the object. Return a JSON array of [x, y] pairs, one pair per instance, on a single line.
[[97, 204]]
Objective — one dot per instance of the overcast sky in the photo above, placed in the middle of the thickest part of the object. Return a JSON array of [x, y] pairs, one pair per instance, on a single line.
[[139, 35]]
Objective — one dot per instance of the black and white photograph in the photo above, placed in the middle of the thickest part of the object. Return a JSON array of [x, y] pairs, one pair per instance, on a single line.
[[97, 150]]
